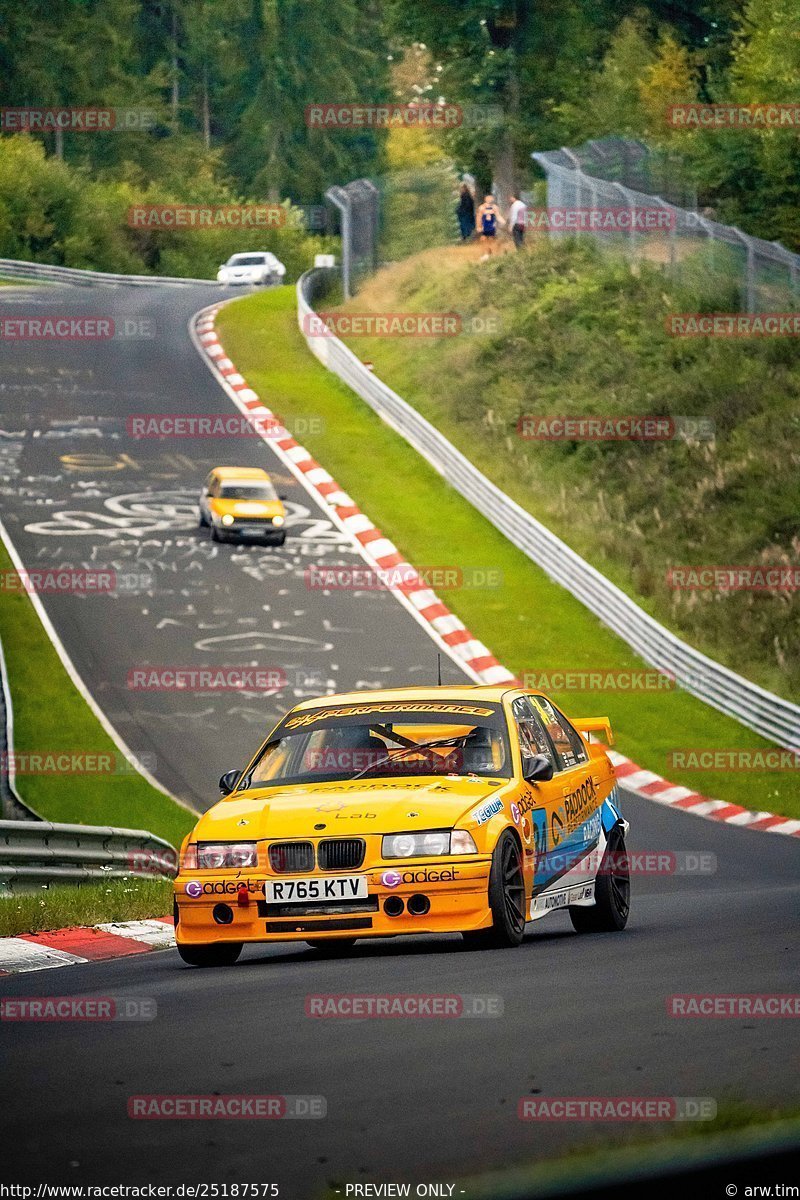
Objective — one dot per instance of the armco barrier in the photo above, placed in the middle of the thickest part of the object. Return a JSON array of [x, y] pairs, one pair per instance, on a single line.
[[43, 273], [769, 715], [36, 853]]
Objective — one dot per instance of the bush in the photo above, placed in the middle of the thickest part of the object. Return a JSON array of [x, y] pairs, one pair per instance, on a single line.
[[54, 213]]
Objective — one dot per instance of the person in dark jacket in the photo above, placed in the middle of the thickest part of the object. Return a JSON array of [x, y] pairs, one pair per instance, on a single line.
[[465, 211]]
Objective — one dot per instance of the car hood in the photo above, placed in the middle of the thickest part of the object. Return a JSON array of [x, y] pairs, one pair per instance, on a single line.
[[345, 809]]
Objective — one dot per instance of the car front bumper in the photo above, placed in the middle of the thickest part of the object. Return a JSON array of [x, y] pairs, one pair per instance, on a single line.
[[456, 904], [253, 528]]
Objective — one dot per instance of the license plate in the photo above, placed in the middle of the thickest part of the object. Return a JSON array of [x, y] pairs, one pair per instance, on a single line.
[[293, 891]]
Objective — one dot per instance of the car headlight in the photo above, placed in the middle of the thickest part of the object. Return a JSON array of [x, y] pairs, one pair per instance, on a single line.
[[227, 519], [428, 844], [213, 855], [278, 520], [461, 842]]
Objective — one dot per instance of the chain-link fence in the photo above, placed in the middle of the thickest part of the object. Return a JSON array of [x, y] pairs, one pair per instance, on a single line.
[[717, 261], [404, 212], [358, 205]]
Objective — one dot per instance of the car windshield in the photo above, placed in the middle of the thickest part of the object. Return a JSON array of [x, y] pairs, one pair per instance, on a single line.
[[248, 491], [370, 741], [247, 260]]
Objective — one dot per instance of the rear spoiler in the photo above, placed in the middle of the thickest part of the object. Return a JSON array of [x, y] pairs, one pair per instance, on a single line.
[[595, 725]]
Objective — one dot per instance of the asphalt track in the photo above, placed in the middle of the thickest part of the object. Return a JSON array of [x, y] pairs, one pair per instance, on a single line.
[[79, 490], [426, 1100]]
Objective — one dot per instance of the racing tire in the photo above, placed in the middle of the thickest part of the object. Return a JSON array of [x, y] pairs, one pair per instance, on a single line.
[[612, 892], [333, 948], [214, 954], [507, 899]]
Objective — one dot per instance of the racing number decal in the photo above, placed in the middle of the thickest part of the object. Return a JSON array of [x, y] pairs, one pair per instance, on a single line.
[[539, 822]]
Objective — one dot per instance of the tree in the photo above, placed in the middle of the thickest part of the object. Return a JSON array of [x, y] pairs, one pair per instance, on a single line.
[[322, 51], [523, 57], [753, 175]]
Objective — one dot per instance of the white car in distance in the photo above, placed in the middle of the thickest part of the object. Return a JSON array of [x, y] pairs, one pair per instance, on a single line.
[[255, 267]]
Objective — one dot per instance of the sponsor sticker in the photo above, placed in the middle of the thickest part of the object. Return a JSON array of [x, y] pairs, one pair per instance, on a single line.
[[393, 879], [486, 811], [227, 887], [390, 709]]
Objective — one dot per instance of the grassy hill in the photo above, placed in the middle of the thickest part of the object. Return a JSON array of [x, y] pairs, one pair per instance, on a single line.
[[581, 335]]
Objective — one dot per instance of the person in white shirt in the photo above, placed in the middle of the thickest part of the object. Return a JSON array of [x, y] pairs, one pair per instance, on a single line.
[[516, 219]]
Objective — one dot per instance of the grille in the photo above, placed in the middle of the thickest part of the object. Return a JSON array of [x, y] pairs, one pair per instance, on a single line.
[[291, 858], [322, 910], [319, 926], [341, 854]]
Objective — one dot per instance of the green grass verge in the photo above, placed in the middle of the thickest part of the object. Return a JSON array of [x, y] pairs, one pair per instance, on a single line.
[[132, 899], [529, 622], [49, 715]]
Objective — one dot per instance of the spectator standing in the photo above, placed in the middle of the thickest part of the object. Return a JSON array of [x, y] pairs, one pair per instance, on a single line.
[[489, 217], [516, 219], [465, 211]]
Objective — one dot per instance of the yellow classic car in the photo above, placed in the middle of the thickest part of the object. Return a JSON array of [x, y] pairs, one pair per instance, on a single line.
[[241, 502], [469, 809]]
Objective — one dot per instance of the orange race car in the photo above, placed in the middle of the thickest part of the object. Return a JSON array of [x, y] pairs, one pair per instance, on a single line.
[[414, 810]]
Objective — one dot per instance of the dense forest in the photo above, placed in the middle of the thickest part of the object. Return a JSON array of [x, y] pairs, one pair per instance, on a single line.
[[225, 85]]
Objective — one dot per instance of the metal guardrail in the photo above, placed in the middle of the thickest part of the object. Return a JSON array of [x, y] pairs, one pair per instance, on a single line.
[[45, 273], [36, 853], [771, 716]]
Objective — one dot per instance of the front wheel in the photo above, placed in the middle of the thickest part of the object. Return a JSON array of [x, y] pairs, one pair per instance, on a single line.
[[507, 898], [217, 954], [612, 892]]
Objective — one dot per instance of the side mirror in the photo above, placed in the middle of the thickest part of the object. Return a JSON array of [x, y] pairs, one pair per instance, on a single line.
[[282, 496], [537, 769], [228, 781]]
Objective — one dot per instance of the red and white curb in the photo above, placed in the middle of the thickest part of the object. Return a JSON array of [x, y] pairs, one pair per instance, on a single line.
[[381, 554], [68, 947], [443, 625], [653, 787]]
